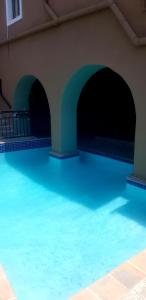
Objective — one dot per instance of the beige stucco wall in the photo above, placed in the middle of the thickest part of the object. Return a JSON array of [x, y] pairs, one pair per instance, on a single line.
[[54, 55], [65, 6], [135, 12], [34, 13]]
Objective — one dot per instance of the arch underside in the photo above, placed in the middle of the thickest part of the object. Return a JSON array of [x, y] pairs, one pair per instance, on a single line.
[[103, 113], [30, 96]]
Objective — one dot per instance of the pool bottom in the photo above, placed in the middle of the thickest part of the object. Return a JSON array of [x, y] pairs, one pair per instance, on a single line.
[[66, 223]]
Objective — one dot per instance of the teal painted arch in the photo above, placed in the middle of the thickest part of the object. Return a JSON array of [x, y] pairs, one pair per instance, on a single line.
[[30, 95], [69, 103], [77, 82], [22, 91]]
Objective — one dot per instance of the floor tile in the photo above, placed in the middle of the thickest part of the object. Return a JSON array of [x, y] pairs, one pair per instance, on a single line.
[[109, 288]]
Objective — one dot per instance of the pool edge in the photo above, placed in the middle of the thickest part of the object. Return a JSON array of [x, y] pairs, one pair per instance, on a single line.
[[17, 145], [136, 181], [125, 282]]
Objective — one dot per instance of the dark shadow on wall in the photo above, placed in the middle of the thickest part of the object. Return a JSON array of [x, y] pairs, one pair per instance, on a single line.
[[39, 111], [106, 110]]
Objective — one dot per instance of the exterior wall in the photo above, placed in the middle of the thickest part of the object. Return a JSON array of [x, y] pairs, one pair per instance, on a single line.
[[65, 6], [135, 12], [55, 55], [34, 14]]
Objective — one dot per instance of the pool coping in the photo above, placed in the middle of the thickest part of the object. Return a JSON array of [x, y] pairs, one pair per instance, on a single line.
[[6, 291]]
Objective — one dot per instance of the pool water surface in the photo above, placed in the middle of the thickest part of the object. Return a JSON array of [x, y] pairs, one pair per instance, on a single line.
[[65, 223]]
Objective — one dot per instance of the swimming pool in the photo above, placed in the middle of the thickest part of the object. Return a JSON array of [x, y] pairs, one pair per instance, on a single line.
[[65, 223]]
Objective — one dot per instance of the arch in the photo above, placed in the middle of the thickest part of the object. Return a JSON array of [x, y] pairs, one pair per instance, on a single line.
[[68, 143], [30, 96], [76, 83], [70, 100], [22, 91]]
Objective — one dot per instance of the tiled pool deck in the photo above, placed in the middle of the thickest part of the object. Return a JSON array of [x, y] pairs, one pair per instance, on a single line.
[[126, 282], [6, 292]]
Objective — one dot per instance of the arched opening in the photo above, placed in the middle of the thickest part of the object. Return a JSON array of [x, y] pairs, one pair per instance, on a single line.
[[30, 96], [106, 116], [39, 111], [98, 113]]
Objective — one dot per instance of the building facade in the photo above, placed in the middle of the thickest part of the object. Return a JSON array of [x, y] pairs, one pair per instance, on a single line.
[[62, 44]]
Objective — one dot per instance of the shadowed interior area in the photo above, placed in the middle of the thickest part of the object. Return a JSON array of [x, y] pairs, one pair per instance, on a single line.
[[39, 111], [106, 115]]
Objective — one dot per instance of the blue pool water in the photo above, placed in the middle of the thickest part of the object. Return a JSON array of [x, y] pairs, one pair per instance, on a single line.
[[63, 224]]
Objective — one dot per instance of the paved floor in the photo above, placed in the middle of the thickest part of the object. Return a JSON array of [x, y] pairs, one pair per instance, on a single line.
[[126, 282], [6, 292]]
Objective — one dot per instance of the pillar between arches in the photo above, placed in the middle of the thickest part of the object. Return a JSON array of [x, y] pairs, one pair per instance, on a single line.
[[64, 136], [138, 177]]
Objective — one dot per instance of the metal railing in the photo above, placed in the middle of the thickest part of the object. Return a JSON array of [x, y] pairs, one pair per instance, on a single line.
[[14, 124]]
